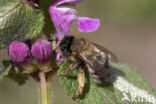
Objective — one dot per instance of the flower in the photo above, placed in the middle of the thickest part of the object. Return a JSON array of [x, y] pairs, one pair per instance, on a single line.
[[59, 57], [88, 25], [59, 2], [42, 51], [19, 52], [63, 17]]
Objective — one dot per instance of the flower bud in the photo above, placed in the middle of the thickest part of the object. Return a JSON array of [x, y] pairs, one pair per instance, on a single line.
[[19, 52], [42, 51]]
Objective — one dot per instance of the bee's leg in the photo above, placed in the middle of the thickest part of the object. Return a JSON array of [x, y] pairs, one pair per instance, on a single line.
[[71, 68], [81, 81]]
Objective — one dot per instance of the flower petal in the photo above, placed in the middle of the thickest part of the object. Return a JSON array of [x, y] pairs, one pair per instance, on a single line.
[[86, 24], [59, 2], [59, 57], [42, 50], [62, 18]]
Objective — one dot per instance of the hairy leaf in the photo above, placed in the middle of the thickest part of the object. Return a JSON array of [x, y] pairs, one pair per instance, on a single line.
[[20, 23], [5, 71], [10, 72], [17, 77], [124, 86]]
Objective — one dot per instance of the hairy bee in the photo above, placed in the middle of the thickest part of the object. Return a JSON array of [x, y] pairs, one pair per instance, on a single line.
[[84, 53]]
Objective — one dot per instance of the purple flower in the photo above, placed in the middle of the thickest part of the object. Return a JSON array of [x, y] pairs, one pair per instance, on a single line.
[[19, 52], [59, 57], [86, 24], [42, 50], [59, 2], [63, 17]]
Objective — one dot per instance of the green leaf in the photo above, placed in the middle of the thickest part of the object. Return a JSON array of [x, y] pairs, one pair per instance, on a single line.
[[124, 82], [17, 77], [12, 74], [19, 24], [4, 71]]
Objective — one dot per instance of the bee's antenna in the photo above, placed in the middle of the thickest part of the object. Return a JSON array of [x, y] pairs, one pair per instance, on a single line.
[[61, 28], [51, 40], [20, 3]]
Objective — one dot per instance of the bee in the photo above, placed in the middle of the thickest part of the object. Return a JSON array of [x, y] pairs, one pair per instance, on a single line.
[[86, 54]]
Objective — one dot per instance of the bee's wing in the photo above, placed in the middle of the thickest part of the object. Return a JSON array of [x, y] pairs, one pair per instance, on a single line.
[[97, 60], [113, 56]]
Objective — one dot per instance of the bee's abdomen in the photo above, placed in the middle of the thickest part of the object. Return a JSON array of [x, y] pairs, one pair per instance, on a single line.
[[98, 79], [99, 76]]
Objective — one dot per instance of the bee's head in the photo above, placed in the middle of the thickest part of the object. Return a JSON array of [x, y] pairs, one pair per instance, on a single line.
[[65, 45]]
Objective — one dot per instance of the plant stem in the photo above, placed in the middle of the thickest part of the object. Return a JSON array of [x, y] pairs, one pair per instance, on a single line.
[[45, 85], [43, 88]]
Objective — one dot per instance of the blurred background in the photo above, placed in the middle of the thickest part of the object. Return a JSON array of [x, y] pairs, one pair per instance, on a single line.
[[128, 29]]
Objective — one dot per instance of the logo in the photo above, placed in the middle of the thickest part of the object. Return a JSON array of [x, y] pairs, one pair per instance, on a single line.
[[133, 97]]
